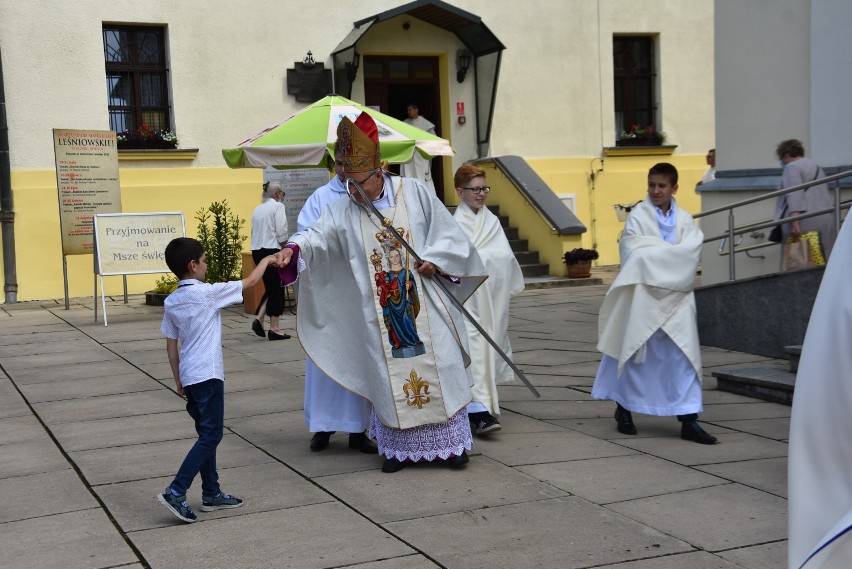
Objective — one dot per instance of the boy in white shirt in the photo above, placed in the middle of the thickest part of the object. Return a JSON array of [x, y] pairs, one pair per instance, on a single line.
[[193, 316]]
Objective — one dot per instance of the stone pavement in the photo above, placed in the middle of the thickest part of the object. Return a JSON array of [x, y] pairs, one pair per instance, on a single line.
[[91, 430]]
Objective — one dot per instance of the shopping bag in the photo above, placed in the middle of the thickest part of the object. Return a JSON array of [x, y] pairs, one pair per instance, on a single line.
[[816, 247], [798, 254]]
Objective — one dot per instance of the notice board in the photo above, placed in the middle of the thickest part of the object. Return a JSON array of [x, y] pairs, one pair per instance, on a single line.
[[134, 243]]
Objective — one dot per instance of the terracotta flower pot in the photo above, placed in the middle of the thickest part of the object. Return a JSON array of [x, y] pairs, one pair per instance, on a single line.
[[580, 270]]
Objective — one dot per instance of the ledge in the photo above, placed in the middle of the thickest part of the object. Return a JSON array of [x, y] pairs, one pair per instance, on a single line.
[[639, 150], [158, 154]]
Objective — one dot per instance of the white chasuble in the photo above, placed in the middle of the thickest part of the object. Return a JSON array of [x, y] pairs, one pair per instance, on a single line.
[[371, 322]]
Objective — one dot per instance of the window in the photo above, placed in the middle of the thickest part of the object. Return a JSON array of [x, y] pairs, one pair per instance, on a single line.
[[136, 77], [635, 80]]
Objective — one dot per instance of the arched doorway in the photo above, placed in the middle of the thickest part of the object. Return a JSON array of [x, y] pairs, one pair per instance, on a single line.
[[391, 83]]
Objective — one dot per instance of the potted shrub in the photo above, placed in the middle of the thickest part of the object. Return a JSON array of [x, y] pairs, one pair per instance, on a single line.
[[219, 232], [579, 262], [164, 287]]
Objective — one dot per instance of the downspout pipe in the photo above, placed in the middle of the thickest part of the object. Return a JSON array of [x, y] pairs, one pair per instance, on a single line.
[[7, 212]]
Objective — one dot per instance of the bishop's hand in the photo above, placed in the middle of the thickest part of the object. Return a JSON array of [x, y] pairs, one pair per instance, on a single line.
[[282, 257]]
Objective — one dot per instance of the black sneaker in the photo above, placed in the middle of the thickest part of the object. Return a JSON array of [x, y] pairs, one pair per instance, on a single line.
[[177, 505], [219, 502], [484, 423]]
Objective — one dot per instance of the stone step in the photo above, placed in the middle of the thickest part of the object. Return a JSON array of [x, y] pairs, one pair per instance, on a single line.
[[511, 233], [534, 269], [519, 244], [795, 353], [548, 281], [768, 383], [527, 257]]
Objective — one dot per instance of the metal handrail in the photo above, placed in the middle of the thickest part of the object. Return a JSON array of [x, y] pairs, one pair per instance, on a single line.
[[733, 230]]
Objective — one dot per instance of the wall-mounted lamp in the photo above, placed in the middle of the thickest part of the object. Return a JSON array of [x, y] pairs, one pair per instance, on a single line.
[[462, 64], [352, 68], [309, 60]]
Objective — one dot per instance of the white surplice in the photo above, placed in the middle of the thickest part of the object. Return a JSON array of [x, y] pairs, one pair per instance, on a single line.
[[328, 406], [338, 322], [820, 486], [647, 328], [419, 166], [490, 303]]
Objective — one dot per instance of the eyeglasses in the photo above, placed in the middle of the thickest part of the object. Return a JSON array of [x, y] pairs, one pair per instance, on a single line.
[[479, 190], [362, 182]]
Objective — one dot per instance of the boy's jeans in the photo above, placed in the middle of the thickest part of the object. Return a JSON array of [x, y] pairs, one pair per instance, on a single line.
[[205, 402]]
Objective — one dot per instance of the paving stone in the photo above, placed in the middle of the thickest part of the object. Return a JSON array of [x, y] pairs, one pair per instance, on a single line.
[[731, 448], [483, 483], [714, 518], [124, 431], [620, 478], [521, 392], [755, 410], [21, 428], [695, 560], [43, 494], [262, 402], [553, 358], [262, 487], [407, 561], [778, 429], [549, 410], [285, 437], [31, 457], [309, 537], [14, 364], [136, 462], [81, 540], [524, 535], [765, 556], [83, 388], [769, 475], [108, 406], [515, 423], [43, 344], [648, 426], [514, 449], [13, 406], [114, 367]]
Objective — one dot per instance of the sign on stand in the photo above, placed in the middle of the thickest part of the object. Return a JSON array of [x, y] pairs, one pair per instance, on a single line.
[[87, 183], [298, 184], [132, 244]]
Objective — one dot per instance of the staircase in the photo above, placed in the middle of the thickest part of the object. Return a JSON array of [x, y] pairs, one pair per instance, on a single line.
[[528, 260], [770, 383]]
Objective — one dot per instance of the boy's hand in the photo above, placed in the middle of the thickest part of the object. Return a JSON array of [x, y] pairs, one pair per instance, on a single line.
[[179, 388]]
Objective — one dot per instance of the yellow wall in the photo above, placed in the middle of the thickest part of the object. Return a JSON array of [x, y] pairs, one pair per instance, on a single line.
[[37, 232]]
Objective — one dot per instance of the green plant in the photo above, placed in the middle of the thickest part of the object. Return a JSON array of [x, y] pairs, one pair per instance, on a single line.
[[576, 255], [637, 131], [219, 232], [166, 284]]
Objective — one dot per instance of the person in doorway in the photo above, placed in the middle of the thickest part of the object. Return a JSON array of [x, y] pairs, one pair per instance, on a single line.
[[418, 391], [490, 303], [419, 167], [328, 406], [268, 233], [797, 170], [647, 328], [710, 173]]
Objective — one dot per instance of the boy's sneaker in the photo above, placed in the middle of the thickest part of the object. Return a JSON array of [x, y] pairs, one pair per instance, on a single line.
[[219, 502], [484, 423], [177, 505]]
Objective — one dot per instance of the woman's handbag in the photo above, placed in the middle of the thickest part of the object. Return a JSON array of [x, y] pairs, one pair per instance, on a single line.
[[775, 234], [802, 252]]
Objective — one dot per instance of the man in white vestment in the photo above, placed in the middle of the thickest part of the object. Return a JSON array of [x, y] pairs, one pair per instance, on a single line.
[[419, 167], [647, 328], [490, 303], [374, 320], [820, 487], [710, 173], [328, 406]]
